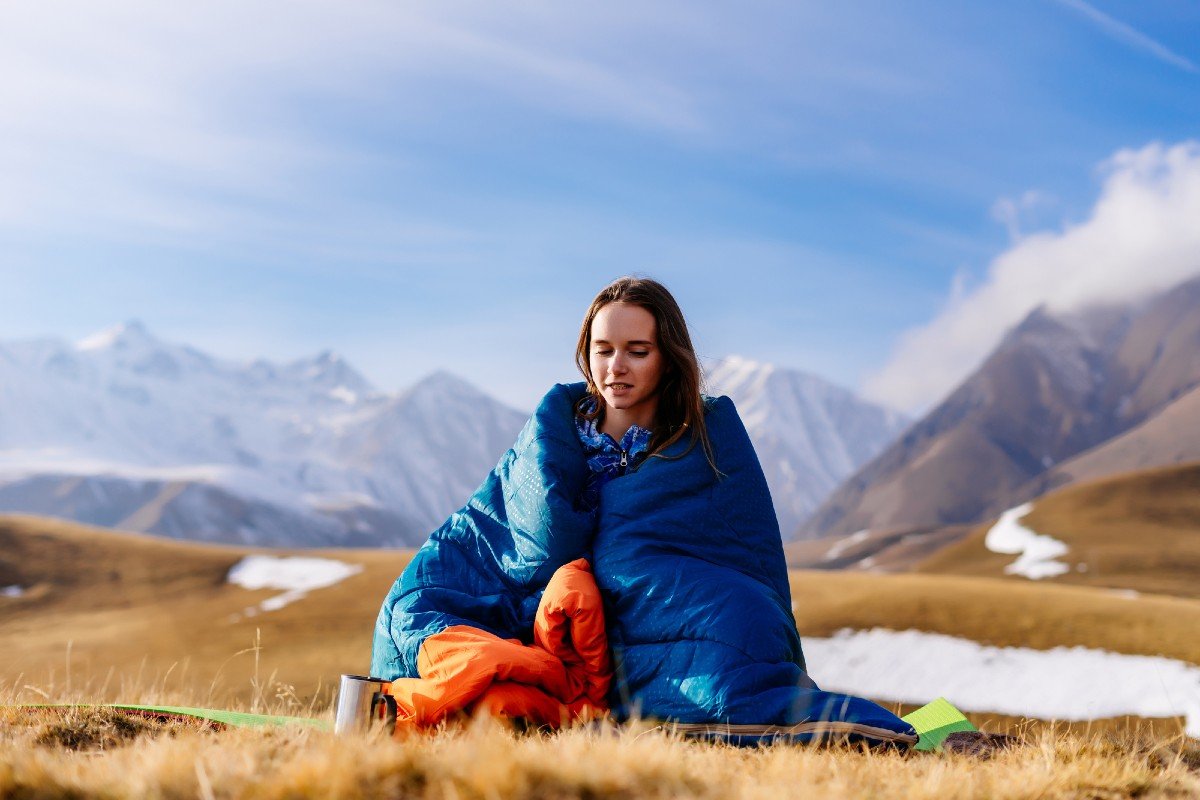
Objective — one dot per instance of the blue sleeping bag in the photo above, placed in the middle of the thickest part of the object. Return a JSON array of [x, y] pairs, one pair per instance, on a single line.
[[691, 567]]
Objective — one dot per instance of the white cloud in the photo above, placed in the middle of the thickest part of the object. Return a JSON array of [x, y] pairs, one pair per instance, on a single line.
[[1141, 237]]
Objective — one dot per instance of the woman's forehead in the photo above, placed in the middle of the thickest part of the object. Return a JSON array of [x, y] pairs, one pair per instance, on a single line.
[[623, 322]]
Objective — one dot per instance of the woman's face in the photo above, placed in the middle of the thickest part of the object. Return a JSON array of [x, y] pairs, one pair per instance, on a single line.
[[625, 359]]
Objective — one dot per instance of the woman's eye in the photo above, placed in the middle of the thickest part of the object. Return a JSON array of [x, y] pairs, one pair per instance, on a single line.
[[638, 353]]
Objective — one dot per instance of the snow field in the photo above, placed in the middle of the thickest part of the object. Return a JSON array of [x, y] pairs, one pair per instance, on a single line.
[[1065, 683]]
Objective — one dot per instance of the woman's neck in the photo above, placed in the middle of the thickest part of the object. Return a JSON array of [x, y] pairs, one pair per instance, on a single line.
[[616, 421]]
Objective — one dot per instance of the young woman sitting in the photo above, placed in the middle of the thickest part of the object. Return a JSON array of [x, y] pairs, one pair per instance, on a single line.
[[636, 478]]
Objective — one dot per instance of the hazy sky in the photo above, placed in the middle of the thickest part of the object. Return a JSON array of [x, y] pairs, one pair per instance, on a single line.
[[871, 192]]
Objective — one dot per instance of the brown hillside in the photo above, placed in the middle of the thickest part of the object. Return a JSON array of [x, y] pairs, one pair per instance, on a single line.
[[116, 608], [1139, 531], [879, 550]]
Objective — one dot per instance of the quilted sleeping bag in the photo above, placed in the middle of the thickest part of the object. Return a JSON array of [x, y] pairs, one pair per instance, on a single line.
[[690, 566]]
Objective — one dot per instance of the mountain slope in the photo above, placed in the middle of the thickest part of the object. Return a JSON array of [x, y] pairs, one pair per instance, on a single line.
[[1172, 436], [1056, 387], [1154, 392]]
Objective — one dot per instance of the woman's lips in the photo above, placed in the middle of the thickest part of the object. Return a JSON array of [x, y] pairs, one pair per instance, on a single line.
[[619, 388]]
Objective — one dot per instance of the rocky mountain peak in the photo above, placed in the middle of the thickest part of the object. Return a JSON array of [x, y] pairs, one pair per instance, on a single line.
[[329, 371]]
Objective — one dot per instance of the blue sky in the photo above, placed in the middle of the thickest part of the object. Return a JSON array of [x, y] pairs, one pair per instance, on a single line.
[[446, 185]]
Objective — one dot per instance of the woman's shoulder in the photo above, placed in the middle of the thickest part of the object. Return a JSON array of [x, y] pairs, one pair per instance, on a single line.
[[722, 404], [562, 395], [554, 417]]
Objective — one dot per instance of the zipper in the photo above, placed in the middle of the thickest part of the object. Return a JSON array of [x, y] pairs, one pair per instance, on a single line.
[[624, 459]]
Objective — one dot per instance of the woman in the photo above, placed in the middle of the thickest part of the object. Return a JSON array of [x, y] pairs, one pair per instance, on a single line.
[[659, 488]]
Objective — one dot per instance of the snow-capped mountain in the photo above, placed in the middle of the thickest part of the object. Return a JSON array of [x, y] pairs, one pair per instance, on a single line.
[[124, 430], [809, 434]]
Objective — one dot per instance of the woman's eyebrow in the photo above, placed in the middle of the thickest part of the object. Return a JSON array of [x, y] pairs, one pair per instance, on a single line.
[[633, 341]]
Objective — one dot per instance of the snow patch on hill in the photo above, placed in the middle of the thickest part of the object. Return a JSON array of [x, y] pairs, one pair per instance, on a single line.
[[1066, 683], [842, 545], [295, 574], [1037, 553]]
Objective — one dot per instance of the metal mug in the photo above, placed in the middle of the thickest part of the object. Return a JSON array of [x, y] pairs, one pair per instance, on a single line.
[[362, 702]]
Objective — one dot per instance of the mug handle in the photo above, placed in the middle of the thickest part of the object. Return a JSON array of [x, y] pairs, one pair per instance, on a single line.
[[387, 709]]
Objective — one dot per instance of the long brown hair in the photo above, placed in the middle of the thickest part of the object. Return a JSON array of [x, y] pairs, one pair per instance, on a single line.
[[680, 405]]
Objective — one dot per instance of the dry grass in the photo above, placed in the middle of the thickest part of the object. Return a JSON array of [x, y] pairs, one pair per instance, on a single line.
[[116, 608], [83, 754]]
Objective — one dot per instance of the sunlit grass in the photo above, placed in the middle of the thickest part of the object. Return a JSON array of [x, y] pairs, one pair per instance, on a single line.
[[89, 752]]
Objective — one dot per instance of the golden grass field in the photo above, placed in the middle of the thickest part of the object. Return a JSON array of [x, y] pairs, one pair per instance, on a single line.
[[112, 617], [90, 753]]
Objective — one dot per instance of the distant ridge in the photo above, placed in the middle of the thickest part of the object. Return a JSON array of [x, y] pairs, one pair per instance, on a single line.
[[125, 430]]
